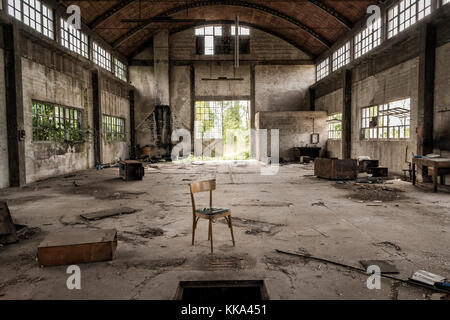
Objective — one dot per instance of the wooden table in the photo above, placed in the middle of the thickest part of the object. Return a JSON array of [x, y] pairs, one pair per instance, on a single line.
[[440, 167]]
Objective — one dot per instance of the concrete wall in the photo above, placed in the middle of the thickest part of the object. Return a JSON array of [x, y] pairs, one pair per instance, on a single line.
[[295, 129], [42, 83], [4, 174], [332, 103], [277, 87], [283, 88], [263, 46], [396, 83], [115, 102], [143, 79]]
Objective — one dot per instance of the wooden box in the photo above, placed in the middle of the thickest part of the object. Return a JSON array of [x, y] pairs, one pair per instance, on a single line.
[[335, 169], [131, 170], [77, 246]]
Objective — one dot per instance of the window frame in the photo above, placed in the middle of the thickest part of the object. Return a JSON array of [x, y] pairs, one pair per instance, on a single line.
[[113, 128], [333, 120], [101, 57], [341, 57], [412, 12], [367, 39], [323, 69], [71, 115], [73, 39], [120, 70], [383, 130], [35, 14]]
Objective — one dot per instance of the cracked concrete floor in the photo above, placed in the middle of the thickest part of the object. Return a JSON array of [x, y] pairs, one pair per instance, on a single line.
[[291, 211]]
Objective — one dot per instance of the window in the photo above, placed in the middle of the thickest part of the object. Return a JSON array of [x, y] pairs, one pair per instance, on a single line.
[[368, 38], [242, 31], [206, 39], [335, 126], [341, 56], [113, 128], [120, 70], [101, 57], [445, 2], [15, 9], [322, 69], [406, 13], [56, 123], [74, 39], [33, 14], [388, 121]]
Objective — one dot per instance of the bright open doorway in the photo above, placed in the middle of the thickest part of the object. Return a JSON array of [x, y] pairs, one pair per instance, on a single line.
[[222, 130]]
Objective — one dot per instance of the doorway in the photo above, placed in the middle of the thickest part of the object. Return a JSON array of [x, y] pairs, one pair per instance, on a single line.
[[222, 130]]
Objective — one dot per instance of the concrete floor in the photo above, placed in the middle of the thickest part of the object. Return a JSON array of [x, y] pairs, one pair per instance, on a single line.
[[291, 211]]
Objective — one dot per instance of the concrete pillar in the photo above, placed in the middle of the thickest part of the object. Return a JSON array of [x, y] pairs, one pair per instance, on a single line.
[[347, 115], [97, 115], [14, 105], [132, 127], [425, 110], [161, 67]]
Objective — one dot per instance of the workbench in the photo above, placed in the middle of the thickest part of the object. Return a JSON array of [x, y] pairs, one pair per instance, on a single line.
[[438, 166]]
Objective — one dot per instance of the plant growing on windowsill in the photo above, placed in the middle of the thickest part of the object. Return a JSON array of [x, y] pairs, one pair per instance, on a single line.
[[64, 134]]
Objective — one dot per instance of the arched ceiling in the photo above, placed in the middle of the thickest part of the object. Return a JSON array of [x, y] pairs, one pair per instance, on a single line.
[[311, 25]]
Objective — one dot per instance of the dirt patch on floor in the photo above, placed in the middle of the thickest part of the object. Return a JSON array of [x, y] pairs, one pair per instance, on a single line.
[[256, 227], [369, 192], [151, 264], [147, 233], [214, 262]]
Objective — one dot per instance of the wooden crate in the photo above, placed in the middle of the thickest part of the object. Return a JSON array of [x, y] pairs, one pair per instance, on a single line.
[[335, 169], [77, 246]]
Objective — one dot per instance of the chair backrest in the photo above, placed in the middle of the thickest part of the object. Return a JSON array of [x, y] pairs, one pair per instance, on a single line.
[[202, 186]]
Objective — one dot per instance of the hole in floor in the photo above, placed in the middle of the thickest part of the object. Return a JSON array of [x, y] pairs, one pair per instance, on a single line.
[[242, 290]]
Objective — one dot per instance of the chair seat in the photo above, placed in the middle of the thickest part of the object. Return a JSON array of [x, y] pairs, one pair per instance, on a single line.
[[212, 211]]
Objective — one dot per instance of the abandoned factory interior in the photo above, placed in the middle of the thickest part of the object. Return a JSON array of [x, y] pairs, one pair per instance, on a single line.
[[204, 150]]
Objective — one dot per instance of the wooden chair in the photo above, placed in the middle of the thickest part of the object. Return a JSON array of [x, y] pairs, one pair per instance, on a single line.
[[208, 213]]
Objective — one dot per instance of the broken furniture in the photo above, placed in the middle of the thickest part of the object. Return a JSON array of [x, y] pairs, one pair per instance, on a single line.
[[436, 167], [378, 171], [97, 215], [7, 228], [335, 169], [208, 213], [131, 170], [365, 165], [77, 246]]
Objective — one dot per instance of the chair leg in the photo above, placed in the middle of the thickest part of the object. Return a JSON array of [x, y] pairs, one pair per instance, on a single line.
[[209, 231], [230, 224], [210, 227], [194, 226]]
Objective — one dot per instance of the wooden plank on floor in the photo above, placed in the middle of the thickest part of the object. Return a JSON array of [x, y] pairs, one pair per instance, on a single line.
[[77, 246], [108, 213]]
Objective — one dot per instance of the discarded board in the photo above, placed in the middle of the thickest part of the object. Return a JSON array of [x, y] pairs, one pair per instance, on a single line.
[[107, 213], [77, 246], [385, 266], [7, 228]]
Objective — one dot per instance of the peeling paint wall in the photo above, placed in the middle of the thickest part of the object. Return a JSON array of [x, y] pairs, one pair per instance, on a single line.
[[399, 82], [42, 83], [295, 129], [332, 103], [4, 173], [115, 102], [283, 88]]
